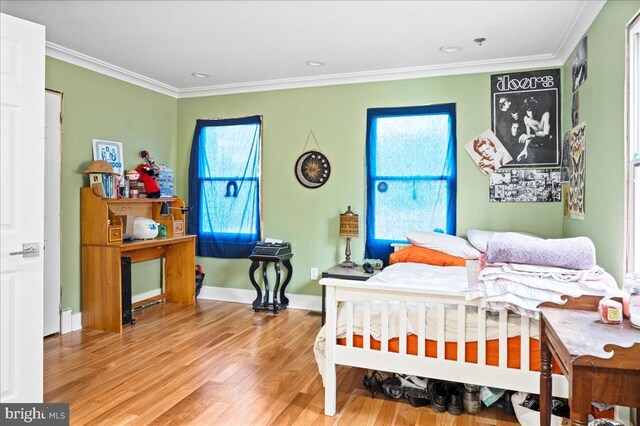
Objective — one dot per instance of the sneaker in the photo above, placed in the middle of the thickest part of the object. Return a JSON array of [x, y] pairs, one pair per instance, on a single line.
[[392, 388], [417, 397], [439, 393], [412, 382], [454, 399]]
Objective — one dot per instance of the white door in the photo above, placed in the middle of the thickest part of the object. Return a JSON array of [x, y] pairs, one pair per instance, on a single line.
[[21, 208], [52, 161]]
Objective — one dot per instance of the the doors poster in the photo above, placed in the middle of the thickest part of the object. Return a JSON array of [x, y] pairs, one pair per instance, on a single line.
[[525, 115], [577, 143]]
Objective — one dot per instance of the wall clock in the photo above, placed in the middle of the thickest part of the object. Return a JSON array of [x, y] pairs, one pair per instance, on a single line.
[[312, 169]]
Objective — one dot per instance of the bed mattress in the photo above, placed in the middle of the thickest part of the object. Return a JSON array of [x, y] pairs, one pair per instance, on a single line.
[[430, 278]]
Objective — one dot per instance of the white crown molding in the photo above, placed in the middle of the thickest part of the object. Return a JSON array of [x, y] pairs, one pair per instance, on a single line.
[[89, 62], [587, 13], [493, 65], [583, 19]]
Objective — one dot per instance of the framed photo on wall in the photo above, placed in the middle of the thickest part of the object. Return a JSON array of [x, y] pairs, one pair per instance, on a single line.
[[525, 116]]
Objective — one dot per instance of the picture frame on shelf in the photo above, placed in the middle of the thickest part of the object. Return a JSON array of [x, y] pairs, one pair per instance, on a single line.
[[111, 152]]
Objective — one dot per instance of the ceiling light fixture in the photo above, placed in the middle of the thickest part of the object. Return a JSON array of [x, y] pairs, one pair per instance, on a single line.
[[450, 49], [199, 75], [315, 63], [479, 40]]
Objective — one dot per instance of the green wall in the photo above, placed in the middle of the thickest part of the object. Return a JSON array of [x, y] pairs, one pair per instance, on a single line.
[[602, 108], [101, 107], [97, 106], [337, 115]]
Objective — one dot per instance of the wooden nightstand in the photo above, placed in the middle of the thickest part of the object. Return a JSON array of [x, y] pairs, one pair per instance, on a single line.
[[600, 361], [342, 273]]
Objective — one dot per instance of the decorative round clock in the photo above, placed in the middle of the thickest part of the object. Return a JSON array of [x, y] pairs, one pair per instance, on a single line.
[[312, 169]]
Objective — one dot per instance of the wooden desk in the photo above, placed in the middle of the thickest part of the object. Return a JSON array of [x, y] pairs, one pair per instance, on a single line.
[[600, 361], [103, 248]]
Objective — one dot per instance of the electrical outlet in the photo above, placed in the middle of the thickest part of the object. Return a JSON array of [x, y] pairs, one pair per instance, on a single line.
[[313, 274]]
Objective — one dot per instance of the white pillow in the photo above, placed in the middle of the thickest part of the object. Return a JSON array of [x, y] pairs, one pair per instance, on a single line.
[[479, 238], [450, 244]]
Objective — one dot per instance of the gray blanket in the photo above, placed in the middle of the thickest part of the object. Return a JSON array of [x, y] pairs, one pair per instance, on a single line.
[[570, 253]]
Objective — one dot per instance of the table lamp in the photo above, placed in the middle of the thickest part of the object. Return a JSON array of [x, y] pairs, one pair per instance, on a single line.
[[348, 230], [164, 209]]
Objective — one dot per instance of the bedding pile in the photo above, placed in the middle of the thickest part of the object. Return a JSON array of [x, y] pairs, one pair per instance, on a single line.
[[521, 287], [571, 253]]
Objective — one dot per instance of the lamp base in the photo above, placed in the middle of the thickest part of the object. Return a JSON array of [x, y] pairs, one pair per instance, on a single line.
[[348, 264]]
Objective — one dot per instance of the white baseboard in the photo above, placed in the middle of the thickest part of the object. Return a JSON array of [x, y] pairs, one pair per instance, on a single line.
[[73, 321], [70, 322], [66, 321], [76, 321], [151, 293], [240, 295]]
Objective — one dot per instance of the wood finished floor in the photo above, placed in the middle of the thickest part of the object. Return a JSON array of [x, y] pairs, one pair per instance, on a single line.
[[216, 363]]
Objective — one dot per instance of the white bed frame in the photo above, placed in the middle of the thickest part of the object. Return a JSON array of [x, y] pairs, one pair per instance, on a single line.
[[500, 376]]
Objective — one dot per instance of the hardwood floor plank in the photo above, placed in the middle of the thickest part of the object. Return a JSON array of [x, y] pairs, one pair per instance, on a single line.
[[186, 408], [215, 363], [388, 413], [313, 410], [407, 415], [291, 412]]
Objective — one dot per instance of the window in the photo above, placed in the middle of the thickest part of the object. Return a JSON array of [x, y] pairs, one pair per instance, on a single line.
[[633, 141], [224, 186], [411, 174]]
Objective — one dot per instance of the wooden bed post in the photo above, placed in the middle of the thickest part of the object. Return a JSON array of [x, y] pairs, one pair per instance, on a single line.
[[330, 389]]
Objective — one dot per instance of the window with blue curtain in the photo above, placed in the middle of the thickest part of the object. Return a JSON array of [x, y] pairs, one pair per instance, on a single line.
[[411, 174], [224, 186]]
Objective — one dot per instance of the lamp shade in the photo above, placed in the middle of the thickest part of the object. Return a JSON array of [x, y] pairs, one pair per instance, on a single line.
[[164, 209], [348, 224]]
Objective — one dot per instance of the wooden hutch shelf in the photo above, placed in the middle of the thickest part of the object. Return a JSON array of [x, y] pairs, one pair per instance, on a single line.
[[103, 247], [139, 200]]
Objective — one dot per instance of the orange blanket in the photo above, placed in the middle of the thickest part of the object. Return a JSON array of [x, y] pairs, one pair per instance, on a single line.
[[471, 350]]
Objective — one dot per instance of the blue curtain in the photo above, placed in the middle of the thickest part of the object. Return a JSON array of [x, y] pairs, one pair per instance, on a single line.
[[411, 174], [224, 186]]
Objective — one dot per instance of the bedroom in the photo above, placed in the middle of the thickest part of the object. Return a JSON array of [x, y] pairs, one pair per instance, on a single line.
[[102, 102]]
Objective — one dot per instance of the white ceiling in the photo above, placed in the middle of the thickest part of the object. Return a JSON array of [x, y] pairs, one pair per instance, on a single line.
[[257, 45]]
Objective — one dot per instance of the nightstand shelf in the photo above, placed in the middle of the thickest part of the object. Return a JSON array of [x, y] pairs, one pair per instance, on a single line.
[[342, 273]]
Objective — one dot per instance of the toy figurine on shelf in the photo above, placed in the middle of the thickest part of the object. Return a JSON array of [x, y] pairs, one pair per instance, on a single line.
[[132, 181], [150, 184], [163, 174], [150, 161]]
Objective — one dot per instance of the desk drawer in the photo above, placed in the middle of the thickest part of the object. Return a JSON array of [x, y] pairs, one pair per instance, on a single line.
[[115, 234]]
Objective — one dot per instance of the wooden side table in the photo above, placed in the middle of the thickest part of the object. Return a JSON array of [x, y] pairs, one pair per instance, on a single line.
[[342, 273], [600, 361]]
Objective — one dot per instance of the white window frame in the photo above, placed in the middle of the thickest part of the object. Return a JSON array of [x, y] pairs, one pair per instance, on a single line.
[[632, 128]]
